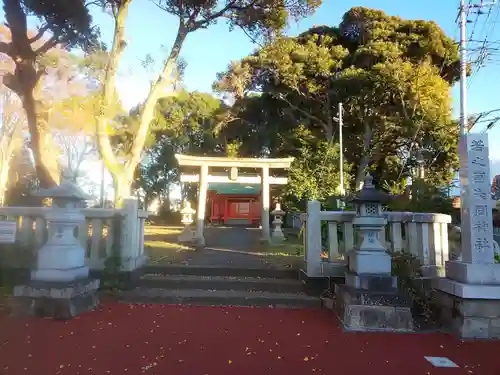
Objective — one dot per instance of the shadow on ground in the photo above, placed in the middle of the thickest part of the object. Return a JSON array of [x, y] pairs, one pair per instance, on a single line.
[[225, 246]]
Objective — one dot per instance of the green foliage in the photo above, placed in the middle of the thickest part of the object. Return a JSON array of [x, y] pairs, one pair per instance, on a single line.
[[407, 268], [425, 198], [70, 22], [259, 19], [314, 174], [392, 75], [111, 280]]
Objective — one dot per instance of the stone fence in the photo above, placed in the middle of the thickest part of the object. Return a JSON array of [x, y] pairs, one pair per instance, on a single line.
[[97, 234], [425, 235]]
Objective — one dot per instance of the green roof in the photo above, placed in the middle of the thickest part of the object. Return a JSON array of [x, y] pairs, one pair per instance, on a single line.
[[234, 188]]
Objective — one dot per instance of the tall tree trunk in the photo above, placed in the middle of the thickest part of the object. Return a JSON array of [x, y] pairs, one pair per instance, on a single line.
[[122, 173], [24, 82], [122, 184], [108, 92], [46, 165]]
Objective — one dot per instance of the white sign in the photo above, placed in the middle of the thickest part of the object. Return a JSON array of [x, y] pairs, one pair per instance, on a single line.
[[476, 202], [8, 231]]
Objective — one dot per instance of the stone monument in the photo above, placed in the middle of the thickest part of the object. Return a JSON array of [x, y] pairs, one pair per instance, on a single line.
[[277, 236], [187, 235], [469, 295], [370, 300], [60, 286]]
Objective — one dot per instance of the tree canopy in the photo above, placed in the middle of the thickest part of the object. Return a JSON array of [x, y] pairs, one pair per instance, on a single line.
[[392, 75]]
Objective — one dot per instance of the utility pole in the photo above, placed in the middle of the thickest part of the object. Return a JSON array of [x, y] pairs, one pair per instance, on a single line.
[[463, 67], [342, 191], [463, 57]]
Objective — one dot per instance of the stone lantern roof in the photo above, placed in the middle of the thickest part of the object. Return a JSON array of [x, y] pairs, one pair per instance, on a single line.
[[67, 190], [369, 194]]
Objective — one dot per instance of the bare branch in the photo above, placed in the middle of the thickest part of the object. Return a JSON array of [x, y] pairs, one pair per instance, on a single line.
[[40, 34], [49, 44]]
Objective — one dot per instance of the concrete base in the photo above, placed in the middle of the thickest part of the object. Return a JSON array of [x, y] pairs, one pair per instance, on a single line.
[[61, 275], [372, 303], [61, 301], [469, 318], [467, 291], [370, 262], [473, 273], [186, 236]]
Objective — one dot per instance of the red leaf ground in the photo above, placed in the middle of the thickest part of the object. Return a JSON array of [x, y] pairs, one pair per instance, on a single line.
[[175, 340]]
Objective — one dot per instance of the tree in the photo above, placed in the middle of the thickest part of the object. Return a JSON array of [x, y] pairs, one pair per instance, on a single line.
[[63, 24], [75, 149], [392, 75], [259, 19], [11, 135], [186, 123]]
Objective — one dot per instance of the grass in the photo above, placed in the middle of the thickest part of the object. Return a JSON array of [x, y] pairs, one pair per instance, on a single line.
[[161, 245]]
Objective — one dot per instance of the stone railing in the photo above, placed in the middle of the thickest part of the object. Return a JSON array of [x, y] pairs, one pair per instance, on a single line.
[[425, 235], [96, 235]]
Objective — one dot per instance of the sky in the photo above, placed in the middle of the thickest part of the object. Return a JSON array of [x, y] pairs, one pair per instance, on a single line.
[[151, 31]]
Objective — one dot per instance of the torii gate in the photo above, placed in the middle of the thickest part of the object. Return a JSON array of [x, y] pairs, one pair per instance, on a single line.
[[204, 178]]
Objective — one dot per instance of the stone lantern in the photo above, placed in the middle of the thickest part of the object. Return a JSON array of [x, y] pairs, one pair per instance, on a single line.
[[370, 300], [187, 235], [277, 235], [369, 255], [60, 286]]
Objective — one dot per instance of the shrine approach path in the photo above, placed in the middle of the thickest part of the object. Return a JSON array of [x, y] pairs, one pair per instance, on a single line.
[[237, 247], [176, 340]]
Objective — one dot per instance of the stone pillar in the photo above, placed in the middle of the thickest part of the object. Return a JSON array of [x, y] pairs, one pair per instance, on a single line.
[[202, 204], [266, 197], [370, 300], [469, 295], [277, 235], [312, 240], [60, 286], [131, 256]]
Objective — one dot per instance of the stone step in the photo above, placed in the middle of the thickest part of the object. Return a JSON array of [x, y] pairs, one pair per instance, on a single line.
[[200, 297], [220, 283], [175, 269]]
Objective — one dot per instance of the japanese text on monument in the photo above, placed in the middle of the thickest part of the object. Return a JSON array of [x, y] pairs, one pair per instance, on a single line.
[[480, 207]]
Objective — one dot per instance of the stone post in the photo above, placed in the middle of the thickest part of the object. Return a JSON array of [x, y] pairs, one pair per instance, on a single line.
[[187, 235], [266, 196], [469, 295], [131, 255], [202, 205], [370, 300], [312, 240], [60, 286], [277, 236]]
